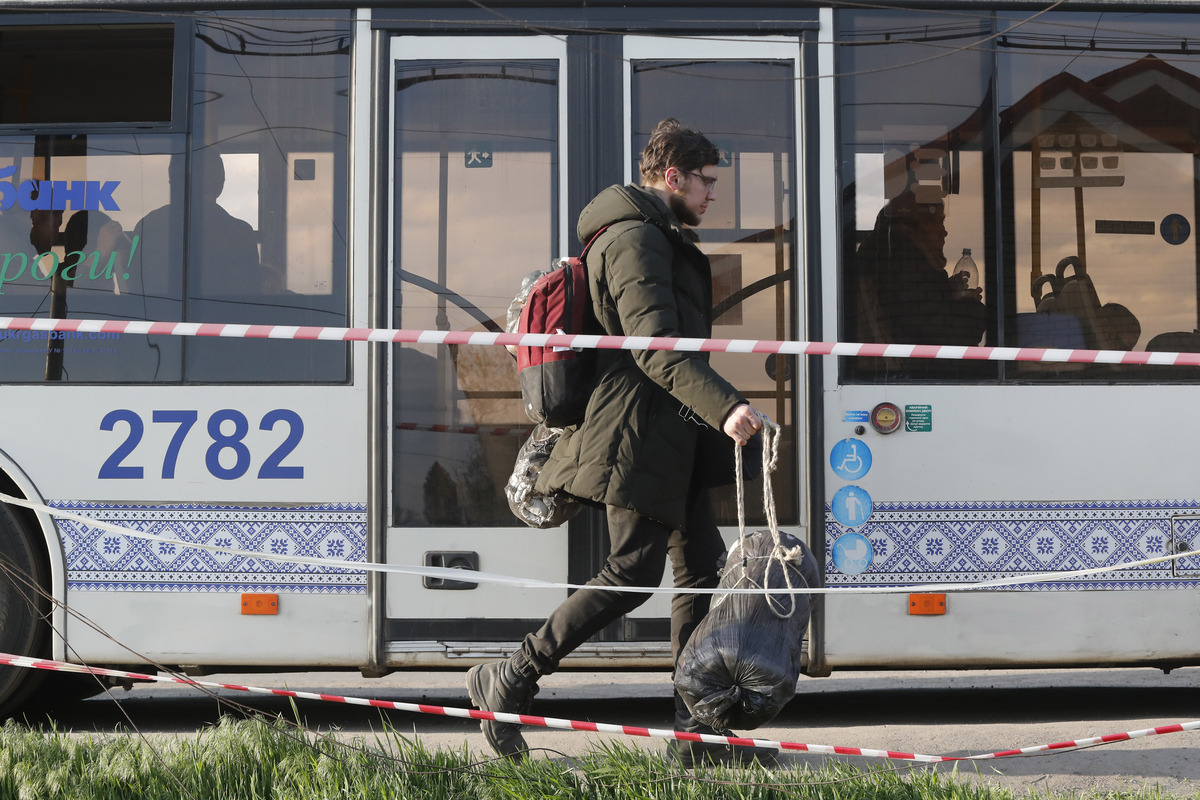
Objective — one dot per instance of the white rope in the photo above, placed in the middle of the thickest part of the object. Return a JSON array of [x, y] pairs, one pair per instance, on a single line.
[[786, 556]]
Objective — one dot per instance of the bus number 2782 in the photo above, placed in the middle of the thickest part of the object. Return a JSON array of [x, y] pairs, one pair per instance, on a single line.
[[227, 429]]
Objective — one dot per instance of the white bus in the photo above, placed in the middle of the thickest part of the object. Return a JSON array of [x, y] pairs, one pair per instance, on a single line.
[[404, 164]]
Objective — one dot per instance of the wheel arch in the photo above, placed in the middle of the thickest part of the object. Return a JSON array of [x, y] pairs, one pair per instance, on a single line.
[[16, 483]]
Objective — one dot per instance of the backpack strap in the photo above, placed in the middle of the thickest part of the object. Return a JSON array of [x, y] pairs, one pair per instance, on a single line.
[[592, 241]]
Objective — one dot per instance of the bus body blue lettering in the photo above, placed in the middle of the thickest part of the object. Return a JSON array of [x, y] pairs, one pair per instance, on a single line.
[[28, 202], [33, 195], [102, 195], [184, 420], [72, 193]]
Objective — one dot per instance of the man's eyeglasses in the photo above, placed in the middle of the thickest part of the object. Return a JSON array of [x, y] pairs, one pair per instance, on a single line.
[[709, 183]]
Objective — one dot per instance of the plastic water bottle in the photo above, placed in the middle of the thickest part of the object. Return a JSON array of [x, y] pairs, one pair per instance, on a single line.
[[967, 264]]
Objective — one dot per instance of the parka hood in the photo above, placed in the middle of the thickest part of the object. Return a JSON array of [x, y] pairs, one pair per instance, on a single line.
[[621, 203]]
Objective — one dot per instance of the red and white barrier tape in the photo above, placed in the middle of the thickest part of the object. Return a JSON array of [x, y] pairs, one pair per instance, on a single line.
[[594, 727], [396, 335], [534, 583]]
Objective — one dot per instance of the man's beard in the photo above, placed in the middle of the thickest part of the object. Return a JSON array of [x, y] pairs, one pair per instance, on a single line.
[[681, 211]]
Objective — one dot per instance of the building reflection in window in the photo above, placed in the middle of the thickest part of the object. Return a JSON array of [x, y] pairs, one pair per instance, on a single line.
[[1088, 139]]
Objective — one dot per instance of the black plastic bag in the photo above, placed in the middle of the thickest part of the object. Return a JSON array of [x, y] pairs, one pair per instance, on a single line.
[[535, 509], [740, 666]]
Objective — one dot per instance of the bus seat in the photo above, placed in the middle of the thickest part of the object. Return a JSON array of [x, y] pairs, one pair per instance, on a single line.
[[1077, 296], [1175, 342], [1043, 300], [1043, 329], [1048, 329], [1108, 326]]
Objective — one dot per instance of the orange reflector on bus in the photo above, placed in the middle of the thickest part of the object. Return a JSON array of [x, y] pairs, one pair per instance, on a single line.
[[260, 604], [927, 604]]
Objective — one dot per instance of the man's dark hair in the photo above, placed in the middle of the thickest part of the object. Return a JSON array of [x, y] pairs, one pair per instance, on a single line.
[[673, 145]]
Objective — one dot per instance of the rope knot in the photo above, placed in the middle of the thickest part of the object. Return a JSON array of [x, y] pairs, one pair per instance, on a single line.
[[771, 432]]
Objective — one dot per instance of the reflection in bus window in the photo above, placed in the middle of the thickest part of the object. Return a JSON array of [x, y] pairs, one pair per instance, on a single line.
[[470, 137], [86, 259], [267, 206], [1103, 184], [915, 194], [1088, 143], [246, 226]]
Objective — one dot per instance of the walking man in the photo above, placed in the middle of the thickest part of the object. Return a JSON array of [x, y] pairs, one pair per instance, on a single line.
[[636, 450]]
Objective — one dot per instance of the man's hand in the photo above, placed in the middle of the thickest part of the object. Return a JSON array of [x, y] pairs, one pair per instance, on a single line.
[[742, 423]]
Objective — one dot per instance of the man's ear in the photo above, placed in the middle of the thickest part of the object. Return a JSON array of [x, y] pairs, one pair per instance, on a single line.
[[671, 178]]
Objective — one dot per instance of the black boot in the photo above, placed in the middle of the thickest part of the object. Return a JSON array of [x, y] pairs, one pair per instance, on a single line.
[[688, 754], [498, 687]]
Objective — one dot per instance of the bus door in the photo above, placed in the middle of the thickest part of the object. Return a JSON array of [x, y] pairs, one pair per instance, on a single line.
[[480, 200], [477, 138]]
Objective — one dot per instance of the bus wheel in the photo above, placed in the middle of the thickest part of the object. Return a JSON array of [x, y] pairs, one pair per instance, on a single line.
[[23, 630]]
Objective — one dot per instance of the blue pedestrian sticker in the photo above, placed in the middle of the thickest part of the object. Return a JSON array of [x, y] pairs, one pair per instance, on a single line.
[[852, 553], [850, 459], [852, 506], [1175, 229]]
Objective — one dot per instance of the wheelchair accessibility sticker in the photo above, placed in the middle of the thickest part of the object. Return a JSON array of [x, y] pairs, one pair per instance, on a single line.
[[852, 553], [850, 459], [852, 506]]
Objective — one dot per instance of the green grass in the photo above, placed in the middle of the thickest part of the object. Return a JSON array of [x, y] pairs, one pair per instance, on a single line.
[[257, 760]]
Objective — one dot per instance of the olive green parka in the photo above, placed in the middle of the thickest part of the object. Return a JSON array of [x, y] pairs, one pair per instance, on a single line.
[[637, 444]]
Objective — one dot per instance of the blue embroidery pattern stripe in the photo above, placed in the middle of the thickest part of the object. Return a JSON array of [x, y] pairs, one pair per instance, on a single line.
[[100, 560], [945, 542]]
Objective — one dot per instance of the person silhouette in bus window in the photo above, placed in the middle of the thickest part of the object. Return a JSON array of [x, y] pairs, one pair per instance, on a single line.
[[159, 238], [223, 258], [224, 252], [97, 253], [907, 297]]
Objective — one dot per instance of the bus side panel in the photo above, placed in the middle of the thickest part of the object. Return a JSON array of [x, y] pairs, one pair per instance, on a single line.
[[250, 474], [1003, 483], [310, 630], [1026, 629]]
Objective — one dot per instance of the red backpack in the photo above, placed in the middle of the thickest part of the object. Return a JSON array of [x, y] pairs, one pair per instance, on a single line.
[[556, 382]]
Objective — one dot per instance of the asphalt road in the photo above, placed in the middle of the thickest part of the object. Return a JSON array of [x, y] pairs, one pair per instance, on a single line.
[[938, 713]]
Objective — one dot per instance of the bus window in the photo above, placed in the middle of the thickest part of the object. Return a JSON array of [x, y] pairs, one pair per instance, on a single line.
[[243, 221], [1090, 243], [267, 209], [70, 247], [70, 200], [914, 197], [85, 74], [471, 135], [1104, 187]]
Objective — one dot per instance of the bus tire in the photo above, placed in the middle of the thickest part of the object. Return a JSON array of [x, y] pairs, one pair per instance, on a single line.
[[23, 609]]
